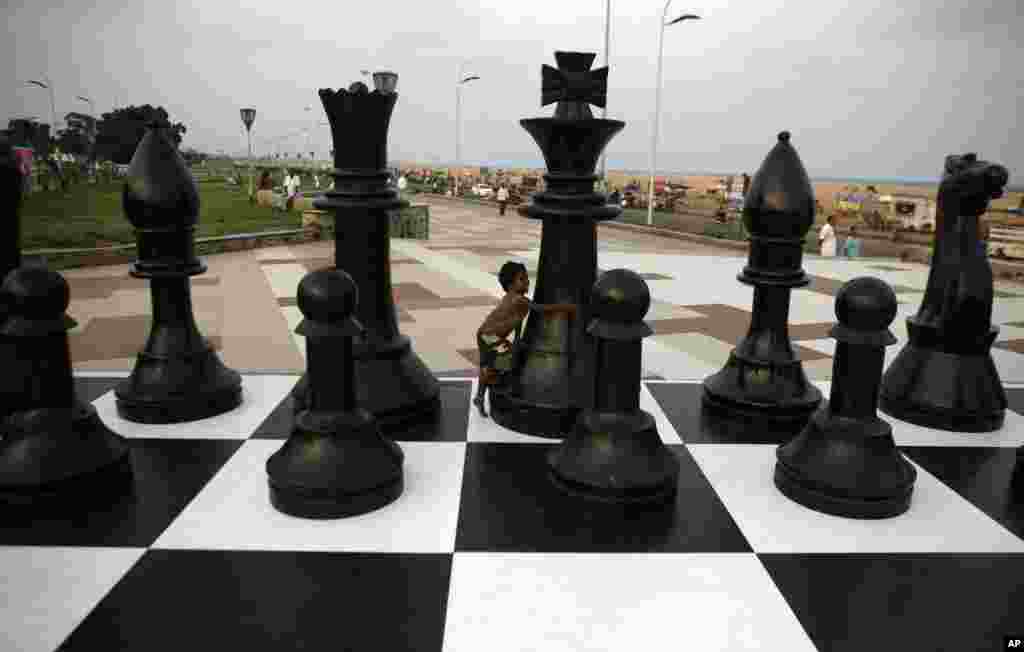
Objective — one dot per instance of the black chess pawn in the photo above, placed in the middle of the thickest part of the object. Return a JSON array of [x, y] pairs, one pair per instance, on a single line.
[[54, 449], [336, 462], [845, 462], [614, 452], [178, 376]]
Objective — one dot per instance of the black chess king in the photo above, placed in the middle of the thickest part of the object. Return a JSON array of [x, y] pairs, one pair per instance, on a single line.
[[945, 376], [393, 383], [548, 385]]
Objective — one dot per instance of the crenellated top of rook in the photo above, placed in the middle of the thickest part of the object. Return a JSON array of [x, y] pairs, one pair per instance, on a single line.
[[359, 120], [160, 191], [780, 200]]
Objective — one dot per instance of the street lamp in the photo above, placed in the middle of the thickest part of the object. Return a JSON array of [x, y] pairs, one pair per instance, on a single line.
[[92, 133], [248, 115], [657, 103], [53, 106], [460, 80]]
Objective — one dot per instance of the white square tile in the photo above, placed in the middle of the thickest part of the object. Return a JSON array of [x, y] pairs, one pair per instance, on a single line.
[[617, 602], [938, 520], [49, 591], [284, 278], [488, 430], [260, 395], [233, 511]]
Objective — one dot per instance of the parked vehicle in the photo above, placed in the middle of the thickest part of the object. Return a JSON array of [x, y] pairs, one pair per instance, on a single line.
[[483, 191]]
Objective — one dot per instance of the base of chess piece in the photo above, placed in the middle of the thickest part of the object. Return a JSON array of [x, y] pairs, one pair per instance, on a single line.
[[527, 416], [615, 458], [335, 465], [789, 398], [948, 385], [144, 397], [846, 467], [62, 459]]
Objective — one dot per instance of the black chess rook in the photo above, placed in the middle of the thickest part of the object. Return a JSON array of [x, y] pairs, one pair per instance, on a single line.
[[763, 378], [336, 462], [614, 453], [945, 377], [55, 452], [392, 381], [545, 391], [845, 462], [178, 376]]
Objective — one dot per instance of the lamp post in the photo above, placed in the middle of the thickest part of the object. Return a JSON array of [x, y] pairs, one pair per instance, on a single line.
[[53, 106], [458, 120], [248, 115], [92, 134], [657, 103]]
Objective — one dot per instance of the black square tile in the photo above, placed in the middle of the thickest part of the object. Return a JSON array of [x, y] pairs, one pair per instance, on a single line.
[[681, 403], [935, 602], [167, 474], [991, 478], [510, 505], [450, 425], [254, 601], [91, 388]]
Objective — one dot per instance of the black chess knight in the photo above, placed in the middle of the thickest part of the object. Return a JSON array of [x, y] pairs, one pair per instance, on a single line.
[[392, 381], [178, 376], [551, 378], [614, 453], [845, 462], [945, 376], [763, 378]]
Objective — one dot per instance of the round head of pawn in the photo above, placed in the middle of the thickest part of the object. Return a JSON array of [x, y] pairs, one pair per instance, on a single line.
[[620, 296], [358, 88], [37, 293], [866, 304], [328, 296]]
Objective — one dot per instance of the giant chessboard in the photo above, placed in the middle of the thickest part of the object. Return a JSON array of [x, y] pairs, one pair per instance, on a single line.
[[482, 554]]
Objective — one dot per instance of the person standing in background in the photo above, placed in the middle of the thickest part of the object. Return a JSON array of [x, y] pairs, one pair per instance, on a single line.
[[502, 199], [827, 238], [852, 244]]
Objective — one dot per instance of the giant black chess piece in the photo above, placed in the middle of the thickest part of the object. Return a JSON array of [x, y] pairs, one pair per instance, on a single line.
[[391, 380], [543, 394], [614, 453], [336, 462], [55, 452], [11, 182], [763, 378], [845, 462], [945, 376], [178, 376]]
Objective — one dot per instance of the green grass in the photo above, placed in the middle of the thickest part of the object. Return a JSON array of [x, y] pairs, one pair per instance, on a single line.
[[92, 216]]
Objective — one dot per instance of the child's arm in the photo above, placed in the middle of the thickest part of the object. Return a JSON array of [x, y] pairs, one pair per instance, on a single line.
[[554, 308]]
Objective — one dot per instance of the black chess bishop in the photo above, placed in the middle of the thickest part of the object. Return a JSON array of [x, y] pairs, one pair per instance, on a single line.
[[336, 462], [845, 461]]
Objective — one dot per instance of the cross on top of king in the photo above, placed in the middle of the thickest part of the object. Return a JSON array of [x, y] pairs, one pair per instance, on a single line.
[[574, 85]]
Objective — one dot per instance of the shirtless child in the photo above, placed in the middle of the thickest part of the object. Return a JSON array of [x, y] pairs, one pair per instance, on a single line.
[[492, 336]]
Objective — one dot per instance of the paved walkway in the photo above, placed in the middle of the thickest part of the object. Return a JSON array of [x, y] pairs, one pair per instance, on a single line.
[[445, 286]]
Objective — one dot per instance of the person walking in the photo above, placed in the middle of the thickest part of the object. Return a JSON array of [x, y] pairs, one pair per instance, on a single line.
[[502, 199], [827, 238]]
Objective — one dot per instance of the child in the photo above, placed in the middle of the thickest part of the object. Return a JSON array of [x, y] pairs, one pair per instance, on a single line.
[[492, 336], [852, 244]]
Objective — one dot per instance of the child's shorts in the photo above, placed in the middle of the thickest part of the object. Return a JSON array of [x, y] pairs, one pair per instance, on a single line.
[[495, 352]]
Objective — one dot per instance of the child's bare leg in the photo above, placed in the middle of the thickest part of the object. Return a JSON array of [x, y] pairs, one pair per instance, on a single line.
[[481, 390]]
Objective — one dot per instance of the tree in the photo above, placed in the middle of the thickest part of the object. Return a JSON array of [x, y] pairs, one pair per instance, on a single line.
[[193, 156], [77, 137], [120, 131]]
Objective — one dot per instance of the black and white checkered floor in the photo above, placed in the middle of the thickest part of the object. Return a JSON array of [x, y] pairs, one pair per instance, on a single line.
[[481, 554]]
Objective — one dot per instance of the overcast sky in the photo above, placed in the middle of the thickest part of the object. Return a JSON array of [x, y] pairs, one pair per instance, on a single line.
[[868, 89]]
